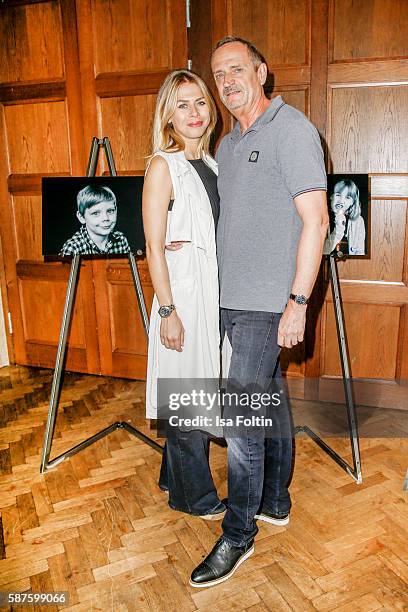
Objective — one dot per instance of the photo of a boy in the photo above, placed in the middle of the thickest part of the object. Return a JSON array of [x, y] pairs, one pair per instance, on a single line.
[[97, 212]]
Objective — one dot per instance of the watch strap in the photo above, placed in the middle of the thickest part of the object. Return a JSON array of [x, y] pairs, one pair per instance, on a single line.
[[299, 299]]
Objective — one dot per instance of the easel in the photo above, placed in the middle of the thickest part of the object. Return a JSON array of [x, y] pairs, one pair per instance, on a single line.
[[355, 471], [46, 464]]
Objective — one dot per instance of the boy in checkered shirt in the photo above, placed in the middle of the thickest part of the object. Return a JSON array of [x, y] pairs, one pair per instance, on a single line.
[[97, 212]]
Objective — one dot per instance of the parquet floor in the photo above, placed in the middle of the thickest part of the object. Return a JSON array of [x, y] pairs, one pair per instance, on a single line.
[[98, 527]]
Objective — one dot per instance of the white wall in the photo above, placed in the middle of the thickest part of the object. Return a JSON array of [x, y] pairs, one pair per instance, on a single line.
[[3, 343]]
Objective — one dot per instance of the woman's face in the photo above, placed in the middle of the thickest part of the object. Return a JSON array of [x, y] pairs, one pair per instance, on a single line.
[[341, 201], [192, 115]]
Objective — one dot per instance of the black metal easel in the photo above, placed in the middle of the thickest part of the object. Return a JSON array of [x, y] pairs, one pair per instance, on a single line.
[[354, 471], [46, 464]]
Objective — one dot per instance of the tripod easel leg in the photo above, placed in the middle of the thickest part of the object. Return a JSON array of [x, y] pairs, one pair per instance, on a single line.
[[139, 293], [354, 471], [62, 345]]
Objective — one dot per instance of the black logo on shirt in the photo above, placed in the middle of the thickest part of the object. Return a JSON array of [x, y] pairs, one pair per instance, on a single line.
[[254, 157]]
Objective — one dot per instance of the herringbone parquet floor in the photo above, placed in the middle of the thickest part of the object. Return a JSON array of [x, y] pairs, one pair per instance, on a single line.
[[98, 527]]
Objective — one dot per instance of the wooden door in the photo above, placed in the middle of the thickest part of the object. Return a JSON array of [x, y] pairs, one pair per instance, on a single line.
[[367, 132], [70, 71], [41, 134], [345, 65]]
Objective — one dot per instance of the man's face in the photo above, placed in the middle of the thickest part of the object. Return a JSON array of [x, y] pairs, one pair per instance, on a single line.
[[100, 219], [238, 81]]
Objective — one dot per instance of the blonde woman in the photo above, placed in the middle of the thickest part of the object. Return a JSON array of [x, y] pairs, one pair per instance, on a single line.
[[180, 204]]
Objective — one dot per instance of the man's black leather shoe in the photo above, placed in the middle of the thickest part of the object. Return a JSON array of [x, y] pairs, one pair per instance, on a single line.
[[221, 563]]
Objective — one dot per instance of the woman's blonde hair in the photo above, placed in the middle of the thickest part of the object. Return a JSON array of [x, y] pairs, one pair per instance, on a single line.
[[164, 136]]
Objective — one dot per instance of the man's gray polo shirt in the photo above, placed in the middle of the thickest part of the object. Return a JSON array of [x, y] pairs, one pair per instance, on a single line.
[[260, 172]]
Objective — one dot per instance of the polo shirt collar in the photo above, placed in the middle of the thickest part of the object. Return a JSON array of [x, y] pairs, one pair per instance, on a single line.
[[266, 117]]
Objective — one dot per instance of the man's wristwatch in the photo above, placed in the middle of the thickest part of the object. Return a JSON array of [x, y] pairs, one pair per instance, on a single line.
[[299, 299], [165, 311]]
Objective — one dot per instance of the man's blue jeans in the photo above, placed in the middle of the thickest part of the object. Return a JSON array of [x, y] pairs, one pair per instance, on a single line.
[[259, 459]]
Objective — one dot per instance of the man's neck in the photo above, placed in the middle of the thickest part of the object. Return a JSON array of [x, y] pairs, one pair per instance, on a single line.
[[248, 117]]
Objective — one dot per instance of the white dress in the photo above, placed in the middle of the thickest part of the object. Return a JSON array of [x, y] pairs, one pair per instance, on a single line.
[[193, 275]]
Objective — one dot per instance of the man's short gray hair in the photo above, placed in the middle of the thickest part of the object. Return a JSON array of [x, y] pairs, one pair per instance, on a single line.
[[255, 55]]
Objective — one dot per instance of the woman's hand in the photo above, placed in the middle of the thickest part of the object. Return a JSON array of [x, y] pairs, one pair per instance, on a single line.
[[172, 332]]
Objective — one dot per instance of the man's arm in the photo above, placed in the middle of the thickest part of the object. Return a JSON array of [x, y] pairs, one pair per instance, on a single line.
[[312, 209]]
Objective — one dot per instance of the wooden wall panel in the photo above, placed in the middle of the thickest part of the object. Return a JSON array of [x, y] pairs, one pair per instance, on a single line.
[[299, 98], [369, 130], [31, 47], [368, 29], [127, 121], [127, 334], [388, 222], [123, 346], [279, 28], [344, 63], [70, 71], [27, 227], [373, 354], [38, 326], [131, 35], [41, 133], [37, 136]]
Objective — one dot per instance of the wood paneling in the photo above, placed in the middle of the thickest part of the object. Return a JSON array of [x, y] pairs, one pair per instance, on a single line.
[[279, 28], [388, 222], [344, 63], [368, 29], [31, 37], [131, 35], [124, 349], [299, 98], [70, 71], [378, 72], [127, 121], [27, 227], [125, 335], [372, 354], [39, 326], [37, 137], [369, 131]]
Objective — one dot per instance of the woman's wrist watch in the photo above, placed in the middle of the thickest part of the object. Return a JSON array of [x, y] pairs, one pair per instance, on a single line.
[[165, 311], [299, 299]]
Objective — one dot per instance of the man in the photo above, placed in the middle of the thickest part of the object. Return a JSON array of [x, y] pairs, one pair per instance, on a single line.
[[272, 225]]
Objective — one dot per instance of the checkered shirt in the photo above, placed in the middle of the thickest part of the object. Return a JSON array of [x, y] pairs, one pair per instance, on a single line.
[[81, 244]]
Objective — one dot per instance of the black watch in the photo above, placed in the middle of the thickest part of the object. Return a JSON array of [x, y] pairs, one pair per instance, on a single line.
[[299, 299], [165, 311]]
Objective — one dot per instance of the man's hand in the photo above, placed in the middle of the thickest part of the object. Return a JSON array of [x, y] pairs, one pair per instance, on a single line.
[[175, 246], [291, 329]]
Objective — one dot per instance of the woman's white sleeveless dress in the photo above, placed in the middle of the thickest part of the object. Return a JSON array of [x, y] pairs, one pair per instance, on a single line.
[[193, 274]]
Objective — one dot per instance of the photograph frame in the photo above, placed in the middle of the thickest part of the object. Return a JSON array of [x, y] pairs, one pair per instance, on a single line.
[[349, 208], [71, 207]]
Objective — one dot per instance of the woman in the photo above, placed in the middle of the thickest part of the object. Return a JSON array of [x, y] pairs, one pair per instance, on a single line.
[[349, 228], [180, 204]]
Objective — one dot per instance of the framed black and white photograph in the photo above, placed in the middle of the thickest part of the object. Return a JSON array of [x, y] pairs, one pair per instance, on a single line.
[[348, 201], [97, 216]]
